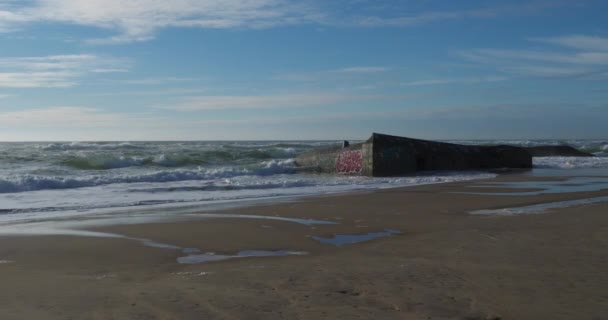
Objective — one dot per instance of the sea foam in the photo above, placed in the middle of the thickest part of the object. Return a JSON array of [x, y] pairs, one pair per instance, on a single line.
[[24, 183], [40, 180], [570, 162]]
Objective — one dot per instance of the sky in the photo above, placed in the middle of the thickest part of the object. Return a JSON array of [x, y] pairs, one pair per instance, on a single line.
[[77, 70]]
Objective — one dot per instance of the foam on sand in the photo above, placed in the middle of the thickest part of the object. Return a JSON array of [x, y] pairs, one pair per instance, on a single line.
[[54, 197]]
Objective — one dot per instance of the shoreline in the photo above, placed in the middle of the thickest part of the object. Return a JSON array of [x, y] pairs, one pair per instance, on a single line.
[[231, 203], [444, 263]]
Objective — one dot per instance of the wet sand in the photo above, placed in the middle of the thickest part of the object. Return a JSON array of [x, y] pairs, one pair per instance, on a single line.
[[445, 263]]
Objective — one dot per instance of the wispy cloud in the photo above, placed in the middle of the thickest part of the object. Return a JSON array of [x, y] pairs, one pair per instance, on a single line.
[[60, 117], [74, 123], [58, 71], [468, 80], [549, 56], [427, 113], [555, 71], [532, 7], [267, 101], [157, 80], [152, 92], [138, 20], [361, 70], [579, 56], [581, 42], [351, 72]]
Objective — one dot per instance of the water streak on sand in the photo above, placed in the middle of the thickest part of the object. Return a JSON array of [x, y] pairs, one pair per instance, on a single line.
[[575, 184], [346, 239], [540, 208], [77, 227], [208, 257]]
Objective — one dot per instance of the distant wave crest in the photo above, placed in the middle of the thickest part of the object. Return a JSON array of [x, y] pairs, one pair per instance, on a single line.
[[104, 161], [88, 146]]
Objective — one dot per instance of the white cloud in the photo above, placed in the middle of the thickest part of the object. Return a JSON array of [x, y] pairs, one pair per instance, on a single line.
[[259, 102], [81, 123], [138, 20], [584, 57], [109, 70], [59, 71], [152, 92], [550, 56], [531, 7], [350, 72], [582, 42], [550, 72], [158, 81], [75, 123], [426, 113], [60, 117], [430, 82], [362, 70], [36, 79]]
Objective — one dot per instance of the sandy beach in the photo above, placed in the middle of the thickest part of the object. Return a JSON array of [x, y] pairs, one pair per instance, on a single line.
[[444, 264], [303, 159]]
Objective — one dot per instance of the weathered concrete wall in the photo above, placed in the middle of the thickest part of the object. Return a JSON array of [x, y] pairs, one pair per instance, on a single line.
[[367, 151], [397, 155], [348, 160], [384, 155], [392, 159]]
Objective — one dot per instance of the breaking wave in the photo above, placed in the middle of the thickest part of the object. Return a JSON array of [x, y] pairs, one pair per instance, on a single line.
[[570, 162], [37, 182], [105, 162]]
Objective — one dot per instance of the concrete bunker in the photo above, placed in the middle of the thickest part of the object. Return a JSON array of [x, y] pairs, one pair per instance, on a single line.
[[386, 155]]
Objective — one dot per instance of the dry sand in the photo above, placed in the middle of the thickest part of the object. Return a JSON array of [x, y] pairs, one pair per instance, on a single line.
[[446, 264]]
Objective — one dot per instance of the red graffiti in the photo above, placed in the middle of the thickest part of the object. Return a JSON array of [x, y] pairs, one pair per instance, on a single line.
[[349, 162]]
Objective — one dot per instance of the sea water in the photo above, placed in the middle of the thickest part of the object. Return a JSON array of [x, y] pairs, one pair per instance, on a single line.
[[53, 180]]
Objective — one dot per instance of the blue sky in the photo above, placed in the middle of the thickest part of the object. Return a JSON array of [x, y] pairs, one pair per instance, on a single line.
[[278, 69]]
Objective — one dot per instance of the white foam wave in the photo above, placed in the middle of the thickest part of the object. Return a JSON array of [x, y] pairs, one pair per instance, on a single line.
[[37, 182], [570, 162], [279, 166], [235, 191], [103, 162]]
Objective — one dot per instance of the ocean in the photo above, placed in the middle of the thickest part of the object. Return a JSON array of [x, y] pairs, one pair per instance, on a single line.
[[53, 180]]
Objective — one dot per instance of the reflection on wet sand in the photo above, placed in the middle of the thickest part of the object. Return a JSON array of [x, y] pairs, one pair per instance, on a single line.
[[576, 184]]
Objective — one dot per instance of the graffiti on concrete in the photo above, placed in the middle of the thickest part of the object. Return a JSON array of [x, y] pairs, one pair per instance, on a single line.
[[349, 162]]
